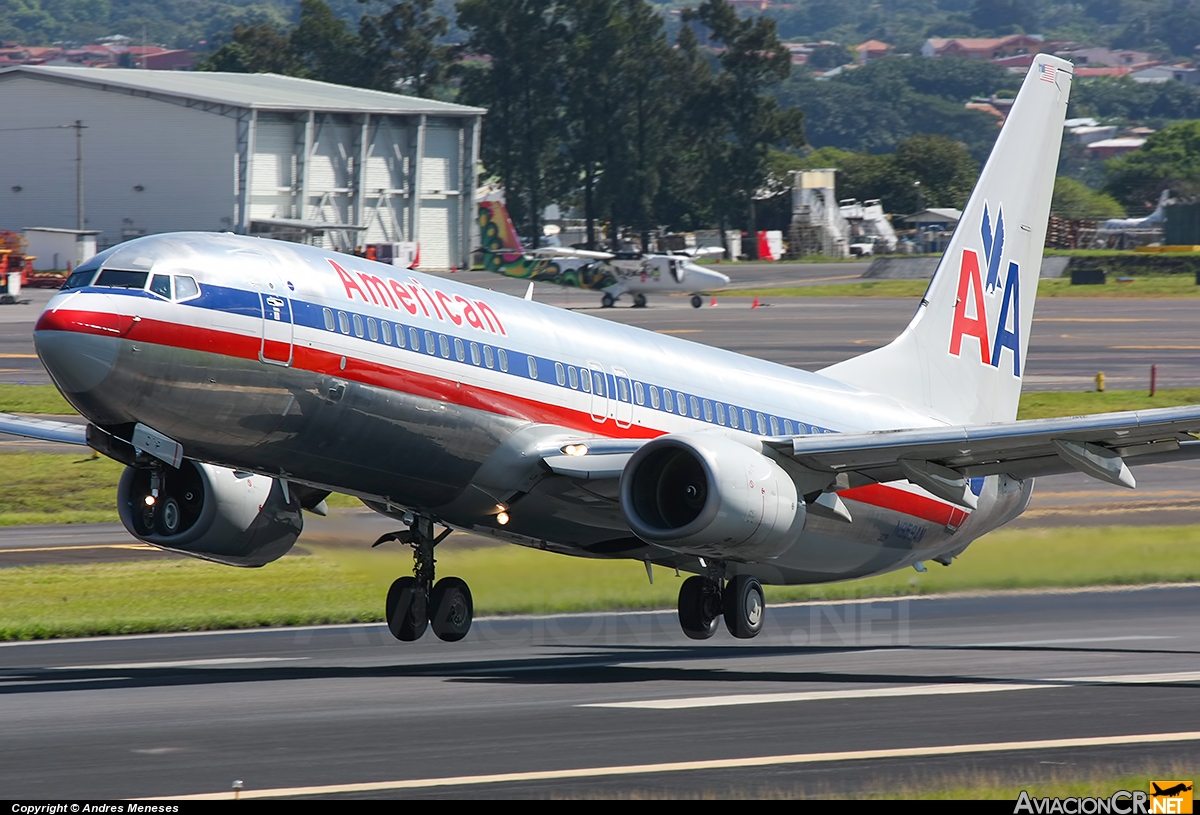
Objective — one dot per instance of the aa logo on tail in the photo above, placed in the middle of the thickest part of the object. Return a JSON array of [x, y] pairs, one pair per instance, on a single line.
[[970, 309]]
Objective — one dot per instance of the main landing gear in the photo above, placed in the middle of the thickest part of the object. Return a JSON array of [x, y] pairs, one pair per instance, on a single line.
[[704, 598], [416, 603]]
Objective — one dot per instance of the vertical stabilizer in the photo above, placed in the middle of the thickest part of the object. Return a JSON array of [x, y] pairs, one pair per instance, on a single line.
[[501, 243], [962, 356]]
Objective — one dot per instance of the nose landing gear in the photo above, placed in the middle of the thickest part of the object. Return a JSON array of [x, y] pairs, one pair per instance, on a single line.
[[416, 603]]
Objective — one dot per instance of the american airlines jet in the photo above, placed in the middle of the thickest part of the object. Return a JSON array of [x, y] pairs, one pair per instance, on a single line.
[[243, 380]]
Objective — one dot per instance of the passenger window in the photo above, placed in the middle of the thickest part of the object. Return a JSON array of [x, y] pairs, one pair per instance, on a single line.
[[708, 415], [532, 367], [344, 322], [460, 350], [639, 393], [358, 325], [774, 426], [762, 424], [668, 401], [787, 427], [586, 381], [328, 314], [488, 356], [573, 376], [598, 384], [721, 414], [746, 420], [695, 403], [503, 355], [654, 403], [560, 373], [186, 289], [386, 328], [733, 417], [429, 347], [372, 330], [623, 390], [681, 400], [160, 284], [414, 339], [444, 345], [475, 358]]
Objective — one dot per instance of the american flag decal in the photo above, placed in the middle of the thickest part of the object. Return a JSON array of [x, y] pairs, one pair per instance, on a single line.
[[1048, 72]]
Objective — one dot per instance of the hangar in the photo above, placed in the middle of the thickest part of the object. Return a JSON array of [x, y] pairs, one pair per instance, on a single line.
[[133, 152]]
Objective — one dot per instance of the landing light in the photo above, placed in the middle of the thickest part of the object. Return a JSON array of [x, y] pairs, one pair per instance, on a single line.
[[502, 518], [149, 500], [575, 450]]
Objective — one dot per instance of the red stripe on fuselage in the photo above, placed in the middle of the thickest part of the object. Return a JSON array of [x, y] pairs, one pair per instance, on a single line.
[[907, 503]]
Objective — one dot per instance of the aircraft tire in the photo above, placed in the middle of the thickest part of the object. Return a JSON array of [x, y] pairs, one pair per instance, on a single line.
[[697, 301], [169, 516], [697, 615], [607, 300], [451, 609], [407, 610], [744, 606], [639, 301]]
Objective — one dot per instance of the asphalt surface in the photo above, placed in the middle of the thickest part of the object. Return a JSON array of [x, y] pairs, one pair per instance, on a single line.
[[1049, 684]]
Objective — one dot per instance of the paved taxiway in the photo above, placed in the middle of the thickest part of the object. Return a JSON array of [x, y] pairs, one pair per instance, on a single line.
[[1065, 682]]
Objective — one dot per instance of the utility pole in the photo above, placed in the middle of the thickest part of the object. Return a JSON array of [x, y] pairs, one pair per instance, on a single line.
[[79, 127]]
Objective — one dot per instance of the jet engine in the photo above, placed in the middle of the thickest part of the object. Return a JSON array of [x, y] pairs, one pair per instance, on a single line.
[[710, 496], [210, 512]]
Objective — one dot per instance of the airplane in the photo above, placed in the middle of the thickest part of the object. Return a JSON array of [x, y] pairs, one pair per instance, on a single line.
[[242, 380], [1169, 792], [614, 274]]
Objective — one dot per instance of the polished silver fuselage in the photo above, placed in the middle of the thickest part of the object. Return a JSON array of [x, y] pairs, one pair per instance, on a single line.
[[282, 366]]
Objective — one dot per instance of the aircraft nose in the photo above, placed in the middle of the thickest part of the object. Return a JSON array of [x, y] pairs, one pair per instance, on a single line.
[[78, 349]]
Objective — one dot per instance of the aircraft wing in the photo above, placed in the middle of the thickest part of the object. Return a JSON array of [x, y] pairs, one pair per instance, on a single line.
[[701, 251], [942, 459], [565, 252], [44, 429]]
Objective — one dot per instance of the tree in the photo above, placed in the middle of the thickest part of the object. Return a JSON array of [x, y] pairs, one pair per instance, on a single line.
[[745, 120], [519, 83], [255, 49], [409, 32], [1077, 201], [830, 55], [1170, 159], [331, 52]]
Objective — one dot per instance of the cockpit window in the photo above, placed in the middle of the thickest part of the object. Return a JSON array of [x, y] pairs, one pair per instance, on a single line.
[[79, 278], [185, 288], [121, 279], [160, 284]]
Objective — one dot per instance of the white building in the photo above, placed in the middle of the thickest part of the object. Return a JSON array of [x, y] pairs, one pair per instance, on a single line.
[[256, 154]]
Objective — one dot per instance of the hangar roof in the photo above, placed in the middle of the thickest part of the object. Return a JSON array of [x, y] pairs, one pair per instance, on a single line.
[[254, 91]]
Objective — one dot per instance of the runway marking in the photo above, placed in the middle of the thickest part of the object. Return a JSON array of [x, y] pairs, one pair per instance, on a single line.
[[678, 331], [1072, 641], [63, 681], [145, 546], [18, 356], [732, 700], [692, 766], [1099, 319], [1154, 347], [179, 663]]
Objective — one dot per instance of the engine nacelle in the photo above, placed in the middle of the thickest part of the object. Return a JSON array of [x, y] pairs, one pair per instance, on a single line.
[[211, 513], [710, 496]]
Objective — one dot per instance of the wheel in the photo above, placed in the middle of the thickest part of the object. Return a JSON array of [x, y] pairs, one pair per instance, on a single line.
[[450, 609], [169, 517], [744, 606], [639, 301], [698, 609], [607, 300], [407, 610], [697, 301]]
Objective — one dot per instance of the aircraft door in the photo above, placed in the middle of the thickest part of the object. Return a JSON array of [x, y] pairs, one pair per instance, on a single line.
[[277, 329], [599, 392], [622, 399]]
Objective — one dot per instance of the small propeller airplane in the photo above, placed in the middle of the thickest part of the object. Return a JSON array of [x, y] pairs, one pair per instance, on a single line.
[[614, 274]]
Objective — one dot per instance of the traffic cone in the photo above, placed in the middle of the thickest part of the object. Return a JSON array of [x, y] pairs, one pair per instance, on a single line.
[[755, 303], [714, 302]]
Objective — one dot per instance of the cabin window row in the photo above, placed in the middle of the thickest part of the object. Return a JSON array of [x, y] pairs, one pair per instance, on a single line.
[[576, 378]]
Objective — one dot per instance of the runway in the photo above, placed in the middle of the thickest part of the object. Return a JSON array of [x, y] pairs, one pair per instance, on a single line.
[[852, 698], [1071, 341]]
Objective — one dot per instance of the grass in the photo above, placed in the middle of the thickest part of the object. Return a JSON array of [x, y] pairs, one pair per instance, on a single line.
[[33, 399], [1044, 405], [348, 585], [1159, 286]]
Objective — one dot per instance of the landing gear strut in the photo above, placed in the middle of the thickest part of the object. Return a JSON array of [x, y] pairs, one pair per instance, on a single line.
[[703, 599], [416, 603]]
